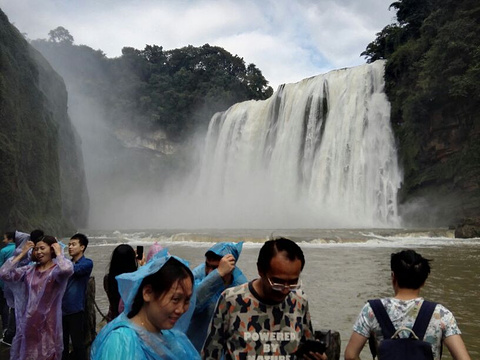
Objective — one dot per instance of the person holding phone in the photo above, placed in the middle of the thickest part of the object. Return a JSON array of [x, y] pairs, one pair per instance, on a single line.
[[267, 317], [140, 255]]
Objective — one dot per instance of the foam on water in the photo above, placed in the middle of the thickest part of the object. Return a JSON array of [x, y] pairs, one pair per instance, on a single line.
[[307, 238]]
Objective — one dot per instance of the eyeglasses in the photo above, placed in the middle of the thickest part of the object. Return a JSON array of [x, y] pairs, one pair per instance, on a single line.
[[282, 287]]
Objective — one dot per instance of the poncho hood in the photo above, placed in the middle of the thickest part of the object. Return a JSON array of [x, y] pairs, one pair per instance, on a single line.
[[225, 248], [129, 283]]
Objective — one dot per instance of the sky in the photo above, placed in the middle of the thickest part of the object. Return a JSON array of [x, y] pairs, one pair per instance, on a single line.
[[288, 40]]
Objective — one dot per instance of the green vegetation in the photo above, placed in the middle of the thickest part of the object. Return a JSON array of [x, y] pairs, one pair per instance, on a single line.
[[173, 90], [433, 82], [36, 143]]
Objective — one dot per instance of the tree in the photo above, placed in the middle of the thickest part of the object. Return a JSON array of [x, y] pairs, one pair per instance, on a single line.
[[257, 84], [385, 44], [60, 35], [432, 77]]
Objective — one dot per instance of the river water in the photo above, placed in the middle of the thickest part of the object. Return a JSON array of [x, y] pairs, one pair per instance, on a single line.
[[344, 268]]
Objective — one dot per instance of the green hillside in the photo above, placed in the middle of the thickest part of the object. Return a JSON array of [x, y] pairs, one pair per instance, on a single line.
[[42, 183], [433, 82]]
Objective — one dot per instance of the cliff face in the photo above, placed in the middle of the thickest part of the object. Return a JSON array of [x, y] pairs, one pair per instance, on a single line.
[[442, 177], [42, 181]]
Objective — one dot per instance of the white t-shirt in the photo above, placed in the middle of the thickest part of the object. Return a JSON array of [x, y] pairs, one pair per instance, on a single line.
[[403, 313]]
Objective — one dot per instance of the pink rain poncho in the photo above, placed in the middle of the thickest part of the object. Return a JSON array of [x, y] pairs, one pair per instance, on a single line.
[[38, 308]]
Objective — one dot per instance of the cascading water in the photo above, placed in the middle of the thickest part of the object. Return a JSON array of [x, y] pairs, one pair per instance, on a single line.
[[318, 153]]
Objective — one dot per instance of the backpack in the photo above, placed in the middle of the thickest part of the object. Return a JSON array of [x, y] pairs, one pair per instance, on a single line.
[[396, 348]]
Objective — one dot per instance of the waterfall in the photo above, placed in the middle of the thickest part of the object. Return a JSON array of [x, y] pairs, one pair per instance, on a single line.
[[319, 153]]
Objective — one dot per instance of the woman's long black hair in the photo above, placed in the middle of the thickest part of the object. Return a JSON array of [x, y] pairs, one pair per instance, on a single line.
[[123, 261]]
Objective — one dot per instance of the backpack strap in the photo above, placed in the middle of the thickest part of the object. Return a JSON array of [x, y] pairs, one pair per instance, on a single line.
[[382, 317], [423, 318], [419, 327]]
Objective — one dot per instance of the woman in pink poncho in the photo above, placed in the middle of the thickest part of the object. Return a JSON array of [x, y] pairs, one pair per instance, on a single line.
[[38, 290]]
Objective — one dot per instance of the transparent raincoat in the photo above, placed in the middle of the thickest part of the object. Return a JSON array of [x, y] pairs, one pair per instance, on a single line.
[[121, 339], [208, 289], [20, 240], [38, 308]]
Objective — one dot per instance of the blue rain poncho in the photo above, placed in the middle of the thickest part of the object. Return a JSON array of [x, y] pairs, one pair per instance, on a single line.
[[38, 308], [208, 289], [121, 339]]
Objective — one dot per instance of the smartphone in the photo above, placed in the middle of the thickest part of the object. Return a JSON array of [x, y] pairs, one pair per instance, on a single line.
[[139, 252], [310, 345]]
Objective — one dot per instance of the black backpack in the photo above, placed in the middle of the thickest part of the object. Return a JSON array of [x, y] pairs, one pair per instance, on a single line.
[[394, 348]]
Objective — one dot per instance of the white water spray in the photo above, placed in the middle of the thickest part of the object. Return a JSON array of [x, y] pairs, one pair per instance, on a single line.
[[318, 153]]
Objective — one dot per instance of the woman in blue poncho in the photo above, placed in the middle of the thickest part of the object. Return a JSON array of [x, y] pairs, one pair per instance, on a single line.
[[155, 297]]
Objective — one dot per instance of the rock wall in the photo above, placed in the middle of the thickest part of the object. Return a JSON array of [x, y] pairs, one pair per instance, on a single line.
[[443, 189], [42, 181]]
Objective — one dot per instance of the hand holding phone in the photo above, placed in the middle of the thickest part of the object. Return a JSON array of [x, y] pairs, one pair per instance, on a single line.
[[310, 345], [139, 252]]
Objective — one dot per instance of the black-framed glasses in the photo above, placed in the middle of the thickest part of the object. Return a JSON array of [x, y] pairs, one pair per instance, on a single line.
[[282, 287]]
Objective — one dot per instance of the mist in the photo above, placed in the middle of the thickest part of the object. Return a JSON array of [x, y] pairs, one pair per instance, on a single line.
[[317, 154]]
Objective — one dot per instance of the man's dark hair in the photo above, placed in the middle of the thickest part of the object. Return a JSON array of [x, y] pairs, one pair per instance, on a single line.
[[10, 235], [36, 234], [82, 239], [275, 246], [411, 270], [210, 255]]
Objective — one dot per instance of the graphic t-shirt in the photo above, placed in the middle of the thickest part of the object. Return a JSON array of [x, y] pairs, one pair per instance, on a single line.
[[403, 313], [245, 328]]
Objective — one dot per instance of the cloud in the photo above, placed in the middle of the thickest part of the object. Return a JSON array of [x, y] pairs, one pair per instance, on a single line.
[[287, 40]]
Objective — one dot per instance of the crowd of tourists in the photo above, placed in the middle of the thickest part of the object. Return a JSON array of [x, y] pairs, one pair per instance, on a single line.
[[161, 309]]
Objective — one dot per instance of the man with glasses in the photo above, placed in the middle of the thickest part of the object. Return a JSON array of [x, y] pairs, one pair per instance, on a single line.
[[268, 317]]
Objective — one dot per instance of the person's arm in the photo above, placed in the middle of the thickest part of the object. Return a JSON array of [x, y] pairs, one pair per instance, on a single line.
[[10, 270], [214, 346], [218, 280], [83, 268], [315, 356], [64, 267], [206, 289], [307, 327], [21, 238], [225, 268], [456, 347], [308, 335], [355, 346]]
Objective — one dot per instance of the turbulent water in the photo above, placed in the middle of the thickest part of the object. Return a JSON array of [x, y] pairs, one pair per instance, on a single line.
[[343, 268], [318, 153]]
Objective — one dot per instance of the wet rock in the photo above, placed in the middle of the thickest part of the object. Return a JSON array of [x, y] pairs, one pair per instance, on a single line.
[[469, 228]]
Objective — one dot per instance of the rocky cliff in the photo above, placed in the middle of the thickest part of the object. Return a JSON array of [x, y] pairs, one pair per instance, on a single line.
[[42, 181], [443, 188]]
